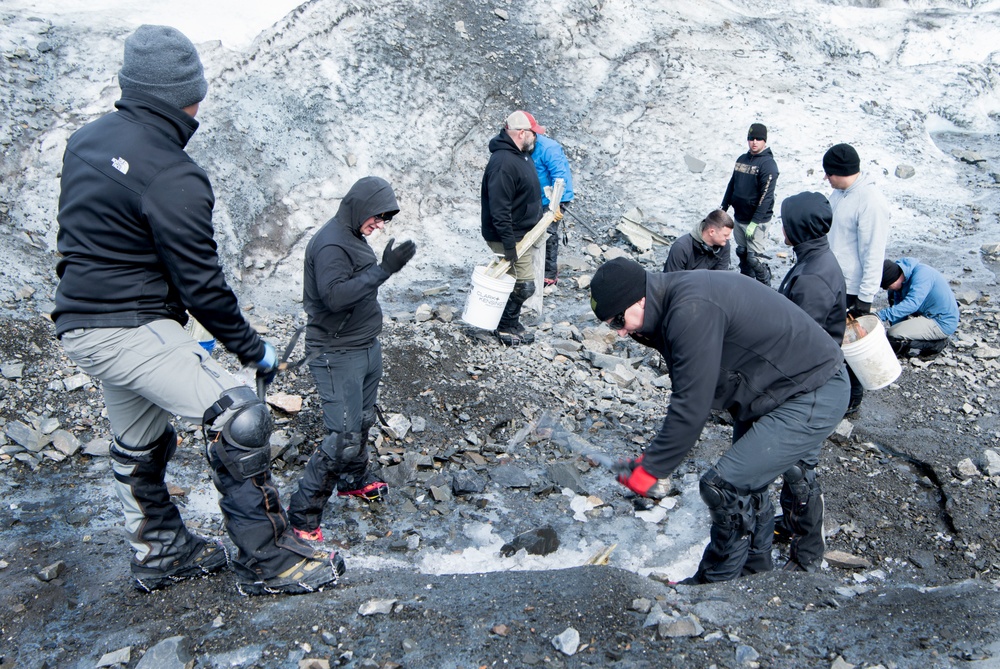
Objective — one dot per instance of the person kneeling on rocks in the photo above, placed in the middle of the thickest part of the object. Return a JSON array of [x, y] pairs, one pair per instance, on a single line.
[[922, 313], [781, 377], [340, 296]]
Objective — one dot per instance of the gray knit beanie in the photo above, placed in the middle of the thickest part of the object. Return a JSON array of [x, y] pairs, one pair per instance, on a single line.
[[161, 61]]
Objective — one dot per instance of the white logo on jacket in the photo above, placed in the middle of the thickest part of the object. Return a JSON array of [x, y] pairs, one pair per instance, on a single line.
[[120, 164]]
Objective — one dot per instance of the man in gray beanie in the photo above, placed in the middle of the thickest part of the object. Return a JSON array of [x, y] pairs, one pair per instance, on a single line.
[[138, 255], [858, 236]]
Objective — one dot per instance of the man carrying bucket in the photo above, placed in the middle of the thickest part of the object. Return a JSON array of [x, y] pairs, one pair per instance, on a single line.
[[858, 236], [781, 377], [922, 312], [340, 296], [511, 198]]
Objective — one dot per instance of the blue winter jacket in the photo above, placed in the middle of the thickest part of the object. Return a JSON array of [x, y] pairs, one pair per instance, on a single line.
[[924, 293], [551, 164]]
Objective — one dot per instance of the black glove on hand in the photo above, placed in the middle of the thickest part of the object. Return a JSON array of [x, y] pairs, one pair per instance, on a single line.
[[510, 254], [860, 308], [393, 259]]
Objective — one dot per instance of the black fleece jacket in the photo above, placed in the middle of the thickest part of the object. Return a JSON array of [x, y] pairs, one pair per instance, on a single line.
[[135, 229], [751, 188], [340, 291], [730, 343], [511, 196], [815, 282]]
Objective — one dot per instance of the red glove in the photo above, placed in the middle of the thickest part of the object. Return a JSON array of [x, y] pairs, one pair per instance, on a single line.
[[641, 482]]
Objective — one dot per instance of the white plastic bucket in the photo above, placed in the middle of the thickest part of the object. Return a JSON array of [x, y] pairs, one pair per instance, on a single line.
[[487, 299], [871, 358]]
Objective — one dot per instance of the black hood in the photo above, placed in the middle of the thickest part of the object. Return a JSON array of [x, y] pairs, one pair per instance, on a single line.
[[805, 217], [368, 196]]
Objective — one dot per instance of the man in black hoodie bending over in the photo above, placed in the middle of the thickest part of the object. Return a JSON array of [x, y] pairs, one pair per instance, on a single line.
[[781, 378], [340, 296], [816, 284]]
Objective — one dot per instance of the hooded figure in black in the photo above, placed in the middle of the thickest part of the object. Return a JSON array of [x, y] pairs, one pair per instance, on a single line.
[[340, 296], [816, 284]]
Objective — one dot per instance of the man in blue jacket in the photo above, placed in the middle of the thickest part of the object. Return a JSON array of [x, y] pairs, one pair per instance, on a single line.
[[922, 312], [551, 163], [137, 247], [751, 194], [511, 200], [728, 343], [340, 296], [816, 284]]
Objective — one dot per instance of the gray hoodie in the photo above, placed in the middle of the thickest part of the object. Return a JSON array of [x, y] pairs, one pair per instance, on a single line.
[[859, 234]]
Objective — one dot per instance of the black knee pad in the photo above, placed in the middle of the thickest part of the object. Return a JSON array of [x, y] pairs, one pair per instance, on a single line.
[[800, 479], [729, 509], [239, 425], [342, 447], [523, 290]]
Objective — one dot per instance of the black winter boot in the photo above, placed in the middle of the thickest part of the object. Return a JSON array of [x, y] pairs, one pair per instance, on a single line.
[[929, 348], [166, 552], [759, 268], [745, 269], [733, 517], [802, 505], [759, 557]]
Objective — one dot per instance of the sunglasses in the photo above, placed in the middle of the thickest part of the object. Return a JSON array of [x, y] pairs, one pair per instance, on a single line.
[[618, 322], [385, 218]]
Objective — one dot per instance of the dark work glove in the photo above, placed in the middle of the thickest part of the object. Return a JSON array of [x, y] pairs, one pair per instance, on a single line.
[[393, 259], [267, 367], [510, 254], [860, 308]]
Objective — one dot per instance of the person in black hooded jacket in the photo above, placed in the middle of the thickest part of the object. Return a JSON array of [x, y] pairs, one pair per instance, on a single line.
[[728, 343], [816, 284], [340, 297], [511, 200]]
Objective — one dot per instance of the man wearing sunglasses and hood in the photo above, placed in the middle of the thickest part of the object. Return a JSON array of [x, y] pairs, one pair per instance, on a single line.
[[781, 377], [340, 297]]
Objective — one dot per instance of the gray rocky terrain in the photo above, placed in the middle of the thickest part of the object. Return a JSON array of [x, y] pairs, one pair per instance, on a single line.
[[485, 447]]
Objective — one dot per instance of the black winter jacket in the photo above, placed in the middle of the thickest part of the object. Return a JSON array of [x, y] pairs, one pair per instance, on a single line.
[[815, 282], [340, 292], [511, 195], [751, 188], [730, 343], [691, 252], [135, 229]]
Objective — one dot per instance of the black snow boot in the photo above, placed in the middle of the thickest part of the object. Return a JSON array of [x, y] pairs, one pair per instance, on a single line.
[[759, 557], [802, 506], [733, 517], [166, 552]]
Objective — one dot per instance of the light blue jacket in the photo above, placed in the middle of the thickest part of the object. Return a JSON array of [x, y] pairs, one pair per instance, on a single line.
[[924, 293], [551, 164]]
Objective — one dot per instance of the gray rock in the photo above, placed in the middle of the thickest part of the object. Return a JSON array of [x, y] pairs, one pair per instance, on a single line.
[[693, 164], [967, 297], [502, 13], [641, 605], [905, 171], [990, 249], [746, 654], [509, 476], [115, 657], [568, 642], [991, 462], [686, 626], [467, 483], [656, 616], [566, 475], [52, 571], [424, 313], [376, 606], [12, 370], [604, 361], [446, 313], [540, 541], [99, 448], [24, 435], [922, 559], [841, 663], [172, 653], [842, 433], [76, 381], [966, 469], [418, 424], [48, 425], [397, 425], [441, 494]]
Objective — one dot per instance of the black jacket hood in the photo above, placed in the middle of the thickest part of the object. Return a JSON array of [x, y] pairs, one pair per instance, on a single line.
[[368, 196], [805, 217]]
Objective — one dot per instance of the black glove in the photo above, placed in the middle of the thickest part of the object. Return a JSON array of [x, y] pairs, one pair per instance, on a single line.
[[393, 259], [860, 308], [510, 254]]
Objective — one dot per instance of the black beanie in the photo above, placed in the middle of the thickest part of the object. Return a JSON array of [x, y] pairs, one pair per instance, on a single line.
[[890, 272], [616, 286], [757, 131], [162, 62], [841, 161]]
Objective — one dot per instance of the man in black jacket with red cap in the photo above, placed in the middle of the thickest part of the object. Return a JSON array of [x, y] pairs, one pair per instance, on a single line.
[[781, 377]]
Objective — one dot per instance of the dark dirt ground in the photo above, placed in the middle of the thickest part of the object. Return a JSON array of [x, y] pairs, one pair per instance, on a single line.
[[892, 496]]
